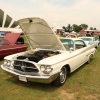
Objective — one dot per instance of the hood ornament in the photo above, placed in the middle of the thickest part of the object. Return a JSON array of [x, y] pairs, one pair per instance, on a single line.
[[23, 67]]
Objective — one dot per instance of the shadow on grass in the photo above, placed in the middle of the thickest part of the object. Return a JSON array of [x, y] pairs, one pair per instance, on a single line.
[[77, 70], [32, 85]]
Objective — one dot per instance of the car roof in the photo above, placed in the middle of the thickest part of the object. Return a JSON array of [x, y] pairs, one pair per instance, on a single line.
[[11, 38]]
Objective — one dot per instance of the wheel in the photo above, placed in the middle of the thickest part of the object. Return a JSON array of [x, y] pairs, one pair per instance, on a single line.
[[89, 59], [60, 80]]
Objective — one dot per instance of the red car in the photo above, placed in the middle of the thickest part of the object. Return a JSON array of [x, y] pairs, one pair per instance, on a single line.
[[9, 45]]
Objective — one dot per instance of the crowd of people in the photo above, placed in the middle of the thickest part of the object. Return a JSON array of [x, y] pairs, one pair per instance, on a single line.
[[68, 35], [89, 34], [76, 35]]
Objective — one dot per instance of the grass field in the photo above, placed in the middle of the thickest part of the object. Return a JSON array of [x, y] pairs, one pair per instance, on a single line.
[[83, 84]]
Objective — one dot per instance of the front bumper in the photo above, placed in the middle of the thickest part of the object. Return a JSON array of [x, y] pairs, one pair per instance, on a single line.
[[41, 79]]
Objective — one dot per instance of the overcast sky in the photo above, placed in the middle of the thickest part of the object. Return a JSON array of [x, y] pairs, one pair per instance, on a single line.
[[57, 13]]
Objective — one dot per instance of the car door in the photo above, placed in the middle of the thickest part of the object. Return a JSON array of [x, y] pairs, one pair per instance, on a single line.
[[7, 49], [79, 55]]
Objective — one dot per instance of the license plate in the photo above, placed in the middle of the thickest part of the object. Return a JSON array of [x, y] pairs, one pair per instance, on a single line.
[[22, 78]]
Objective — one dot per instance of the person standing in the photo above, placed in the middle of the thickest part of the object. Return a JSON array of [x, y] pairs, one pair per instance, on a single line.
[[92, 34], [88, 34], [76, 35], [99, 38], [68, 36]]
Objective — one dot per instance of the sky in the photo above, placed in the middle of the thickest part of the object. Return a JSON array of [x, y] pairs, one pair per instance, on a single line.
[[57, 13]]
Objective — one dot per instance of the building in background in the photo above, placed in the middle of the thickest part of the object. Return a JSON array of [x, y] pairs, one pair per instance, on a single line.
[[90, 31], [7, 23]]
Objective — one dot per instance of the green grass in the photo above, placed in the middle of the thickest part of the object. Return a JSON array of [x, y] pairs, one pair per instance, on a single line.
[[83, 84]]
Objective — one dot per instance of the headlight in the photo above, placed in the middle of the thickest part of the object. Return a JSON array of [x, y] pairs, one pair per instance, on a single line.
[[7, 63], [46, 69], [42, 68], [49, 69]]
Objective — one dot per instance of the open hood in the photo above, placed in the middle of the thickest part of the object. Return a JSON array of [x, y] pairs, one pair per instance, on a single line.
[[40, 34]]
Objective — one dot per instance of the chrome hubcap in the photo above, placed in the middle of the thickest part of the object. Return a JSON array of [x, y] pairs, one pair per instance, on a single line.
[[63, 75]]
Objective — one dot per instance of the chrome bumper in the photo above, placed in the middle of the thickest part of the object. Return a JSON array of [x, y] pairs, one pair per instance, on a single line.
[[41, 79]]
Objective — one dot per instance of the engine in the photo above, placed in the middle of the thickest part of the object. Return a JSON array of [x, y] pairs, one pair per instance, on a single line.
[[36, 56]]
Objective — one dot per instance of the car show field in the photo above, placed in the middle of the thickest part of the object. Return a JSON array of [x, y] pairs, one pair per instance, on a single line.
[[83, 84], [50, 59], [53, 57]]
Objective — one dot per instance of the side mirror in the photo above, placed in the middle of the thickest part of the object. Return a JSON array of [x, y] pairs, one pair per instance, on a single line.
[[71, 49]]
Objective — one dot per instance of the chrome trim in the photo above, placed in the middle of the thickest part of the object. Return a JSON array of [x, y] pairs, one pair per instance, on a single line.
[[40, 78]]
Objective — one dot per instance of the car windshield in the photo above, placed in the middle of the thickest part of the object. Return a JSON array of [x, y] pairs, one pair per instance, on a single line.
[[68, 43]]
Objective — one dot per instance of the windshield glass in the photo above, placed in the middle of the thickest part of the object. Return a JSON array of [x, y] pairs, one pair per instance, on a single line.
[[68, 43]]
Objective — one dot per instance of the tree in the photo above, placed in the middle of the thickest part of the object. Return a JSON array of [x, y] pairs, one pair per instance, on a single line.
[[68, 28], [91, 28], [84, 26], [64, 28], [76, 28]]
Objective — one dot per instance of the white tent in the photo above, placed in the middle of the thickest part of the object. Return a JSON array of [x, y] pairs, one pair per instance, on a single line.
[[73, 32]]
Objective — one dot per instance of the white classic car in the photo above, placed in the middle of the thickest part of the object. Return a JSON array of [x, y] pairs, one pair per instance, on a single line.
[[90, 41], [50, 59]]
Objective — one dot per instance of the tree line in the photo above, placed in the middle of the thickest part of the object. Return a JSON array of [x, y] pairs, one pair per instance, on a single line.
[[76, 28]]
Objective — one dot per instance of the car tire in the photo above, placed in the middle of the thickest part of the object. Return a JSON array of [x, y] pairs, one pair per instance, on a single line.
[[60, 80], [89, 59]]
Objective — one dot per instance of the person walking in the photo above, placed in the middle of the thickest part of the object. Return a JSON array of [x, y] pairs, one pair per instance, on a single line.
[[92, 34], [88, 34], [68, 36], [99, 38], [76, 35]]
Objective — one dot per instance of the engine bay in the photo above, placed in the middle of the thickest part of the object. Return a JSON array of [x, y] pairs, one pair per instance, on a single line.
[[36, 56]]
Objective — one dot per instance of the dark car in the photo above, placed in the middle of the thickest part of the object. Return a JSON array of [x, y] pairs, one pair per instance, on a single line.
[[9, 45]]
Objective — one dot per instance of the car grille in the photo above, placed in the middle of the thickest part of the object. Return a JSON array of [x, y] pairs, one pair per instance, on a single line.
[[24, 66]]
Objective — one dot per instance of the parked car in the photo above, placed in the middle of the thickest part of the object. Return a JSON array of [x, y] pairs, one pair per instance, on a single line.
[[51, 58], [8, 45], [2, 34], [90, 41]]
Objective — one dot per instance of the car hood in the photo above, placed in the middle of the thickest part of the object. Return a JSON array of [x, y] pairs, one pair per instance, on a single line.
[[11, 37], [40, 34]]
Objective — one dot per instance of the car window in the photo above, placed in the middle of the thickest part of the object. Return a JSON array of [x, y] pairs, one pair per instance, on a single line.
[[3, 42], [96, 38], [93, 39], [79, 44], [68, 43]]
